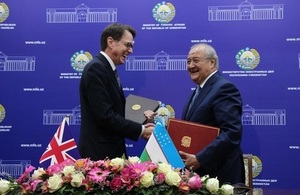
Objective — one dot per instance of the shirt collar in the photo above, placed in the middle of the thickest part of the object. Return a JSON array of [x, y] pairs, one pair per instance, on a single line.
[[203, 83], [113, 66]]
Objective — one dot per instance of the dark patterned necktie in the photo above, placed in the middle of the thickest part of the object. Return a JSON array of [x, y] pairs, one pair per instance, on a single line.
[[197, 92], [118, 78]]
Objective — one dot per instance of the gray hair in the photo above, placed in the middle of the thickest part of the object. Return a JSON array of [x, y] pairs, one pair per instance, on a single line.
[[210, 52]]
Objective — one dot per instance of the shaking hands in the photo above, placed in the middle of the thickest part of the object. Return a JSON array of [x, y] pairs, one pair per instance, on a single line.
[[149, 126]]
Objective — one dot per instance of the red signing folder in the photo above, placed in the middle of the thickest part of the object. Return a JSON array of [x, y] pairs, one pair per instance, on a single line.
[[191, 137]]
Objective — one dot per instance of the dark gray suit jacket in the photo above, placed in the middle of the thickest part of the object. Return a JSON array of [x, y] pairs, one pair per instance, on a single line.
[[103, 126], [219, 104]]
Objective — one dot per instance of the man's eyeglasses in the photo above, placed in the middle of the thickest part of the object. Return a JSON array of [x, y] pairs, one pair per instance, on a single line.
[[127, 44]]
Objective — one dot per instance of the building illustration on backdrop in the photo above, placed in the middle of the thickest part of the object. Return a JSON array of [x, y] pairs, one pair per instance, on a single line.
[[16, 63], [54, 117], [253, 116], [81, 14], [245, 11], [13, 168], [250, 116], [159, 62]]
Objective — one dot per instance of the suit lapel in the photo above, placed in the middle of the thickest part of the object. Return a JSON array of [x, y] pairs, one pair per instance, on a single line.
[[186, 108], [111, 75], [204, 91], [198, 101]]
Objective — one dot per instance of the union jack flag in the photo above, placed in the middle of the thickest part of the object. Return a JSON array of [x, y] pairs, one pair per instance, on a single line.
[[61, 147]]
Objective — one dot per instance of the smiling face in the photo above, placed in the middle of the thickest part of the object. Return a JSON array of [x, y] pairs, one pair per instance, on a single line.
[[119, 50], [199, 66]]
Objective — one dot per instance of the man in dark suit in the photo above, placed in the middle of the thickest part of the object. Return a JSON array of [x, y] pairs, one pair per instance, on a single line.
[[103, 124], [219, 104]]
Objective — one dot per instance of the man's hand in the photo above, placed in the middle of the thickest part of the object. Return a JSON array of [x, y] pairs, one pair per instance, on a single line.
[[148, 130], [149, 114], [190, 160]]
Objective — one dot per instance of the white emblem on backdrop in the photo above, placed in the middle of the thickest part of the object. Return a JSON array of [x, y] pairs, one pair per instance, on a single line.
[[80, 59], [164, 112], [248, 60], [4, 12], [163, 13], [2, 113]]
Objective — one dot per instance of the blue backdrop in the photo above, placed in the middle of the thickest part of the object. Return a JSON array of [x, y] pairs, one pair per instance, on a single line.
[[45, 44]]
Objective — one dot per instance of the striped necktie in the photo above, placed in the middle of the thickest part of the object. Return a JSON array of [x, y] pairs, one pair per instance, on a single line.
[[196, 94]]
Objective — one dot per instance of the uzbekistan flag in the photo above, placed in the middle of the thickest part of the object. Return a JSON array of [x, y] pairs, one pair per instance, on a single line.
[[160, 148]]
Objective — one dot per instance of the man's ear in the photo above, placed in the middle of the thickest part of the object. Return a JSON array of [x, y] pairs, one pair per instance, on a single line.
[[212, 62], [110, 42]]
